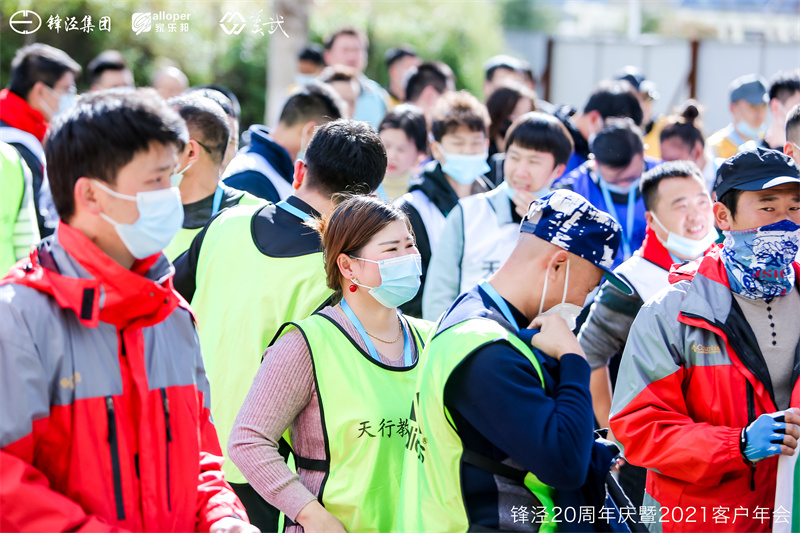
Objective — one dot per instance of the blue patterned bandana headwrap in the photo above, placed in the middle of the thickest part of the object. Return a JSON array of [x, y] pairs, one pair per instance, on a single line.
[[759, 260]]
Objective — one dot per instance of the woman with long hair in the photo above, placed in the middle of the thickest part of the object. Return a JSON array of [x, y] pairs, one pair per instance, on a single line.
[[341, 381]]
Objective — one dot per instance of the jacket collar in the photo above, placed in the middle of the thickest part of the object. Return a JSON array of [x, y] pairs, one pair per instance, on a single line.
[[263, 144], [17, 113], [72, 269], [654, 251]]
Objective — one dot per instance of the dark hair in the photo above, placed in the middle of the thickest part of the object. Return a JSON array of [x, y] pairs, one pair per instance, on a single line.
[[346, 30], [457, 109], [101, 134], [314, 102], [617, 143], [543, 133], [500, 62], [223, 96], [784, 84], [108, 60], [339, 73], [501, 104], [793, 124], [648, 185], [206, 122], [355, 220], [396, 54], [730, 200], [345, 156], [429, 74], [682, 125], [312, 53], [39, 62], [615, 99], [410, 119]]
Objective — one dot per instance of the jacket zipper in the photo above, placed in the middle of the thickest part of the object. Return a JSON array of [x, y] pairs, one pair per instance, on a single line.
[[114, 448], [751, 416], [165, 403]]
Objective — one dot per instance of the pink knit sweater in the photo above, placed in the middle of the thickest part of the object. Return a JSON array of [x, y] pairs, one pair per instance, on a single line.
[[283, 395]]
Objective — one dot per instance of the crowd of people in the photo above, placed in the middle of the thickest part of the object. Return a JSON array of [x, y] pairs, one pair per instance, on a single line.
[[400, 308]]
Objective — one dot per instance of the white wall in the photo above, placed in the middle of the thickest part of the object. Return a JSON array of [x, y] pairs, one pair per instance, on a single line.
[[579, 64]]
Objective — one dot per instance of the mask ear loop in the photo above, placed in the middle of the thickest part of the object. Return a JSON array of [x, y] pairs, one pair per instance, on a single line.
[[544, 290], [566, 285]]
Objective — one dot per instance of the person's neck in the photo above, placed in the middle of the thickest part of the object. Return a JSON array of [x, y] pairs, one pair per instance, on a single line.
[[507, 285], [462, 190], [397, 90], [108, 242], [776, 135], [376, 319], [198, 184], [321, 203], [286, 139]]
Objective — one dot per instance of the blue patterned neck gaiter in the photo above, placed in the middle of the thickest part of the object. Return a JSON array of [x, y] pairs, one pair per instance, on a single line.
[[759, 260]]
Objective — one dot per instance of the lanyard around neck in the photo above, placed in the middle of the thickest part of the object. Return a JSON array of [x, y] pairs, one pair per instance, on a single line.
[[500, 302], [351, 316], [217, 201], [627, 232], [292, 210]]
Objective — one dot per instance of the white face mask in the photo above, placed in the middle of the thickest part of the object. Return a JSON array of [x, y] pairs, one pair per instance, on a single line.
[[683, 246], [177, 178], [569, 312]]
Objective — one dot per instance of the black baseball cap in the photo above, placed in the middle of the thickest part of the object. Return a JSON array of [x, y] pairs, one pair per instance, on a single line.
[[755, 170]]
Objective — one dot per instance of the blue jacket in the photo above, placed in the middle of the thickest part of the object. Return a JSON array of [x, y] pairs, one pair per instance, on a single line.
[[583, 180], [254, 181]]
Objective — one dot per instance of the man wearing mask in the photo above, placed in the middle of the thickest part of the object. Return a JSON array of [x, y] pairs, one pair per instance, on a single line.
[[784, 94], [711, 397], [503, 419], [680, 227], [610, 181], [202, 193], [42, 84], [748, 97], [459, 127], [481, 231], [104, 417], [265, 167]]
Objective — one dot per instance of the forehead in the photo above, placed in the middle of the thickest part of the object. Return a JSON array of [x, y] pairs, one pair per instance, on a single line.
[[686, 186], [66, 80], [463, 133], [527, 152], [346, 41]]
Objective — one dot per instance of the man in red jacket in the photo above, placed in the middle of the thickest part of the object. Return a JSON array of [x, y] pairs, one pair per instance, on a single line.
[[104, 407], [707, 394]]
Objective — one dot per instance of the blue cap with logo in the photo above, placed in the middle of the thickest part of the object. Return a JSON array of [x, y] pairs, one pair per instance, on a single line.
[[566, 219], [750, 87]]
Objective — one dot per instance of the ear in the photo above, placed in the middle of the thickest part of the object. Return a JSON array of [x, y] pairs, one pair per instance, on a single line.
[[85, 197], [649, 218], [558, 263], [346, 264], [788, 149], [775, 107], [556, 172], [306, 132], [192, 153], [299, 174], [722, 217], [436, 152]]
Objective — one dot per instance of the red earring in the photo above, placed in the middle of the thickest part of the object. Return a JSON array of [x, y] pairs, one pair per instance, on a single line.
[[353, 287]]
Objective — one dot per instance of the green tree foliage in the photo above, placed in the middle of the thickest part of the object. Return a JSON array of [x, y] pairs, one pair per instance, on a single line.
[[462, 34]]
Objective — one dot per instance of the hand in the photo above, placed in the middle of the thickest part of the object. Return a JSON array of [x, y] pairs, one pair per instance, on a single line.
[[230, 524], [771, 434], [522, 200], [554, 338], [314, 517]]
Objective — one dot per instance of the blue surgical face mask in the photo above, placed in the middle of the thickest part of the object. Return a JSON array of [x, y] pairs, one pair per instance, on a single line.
[[749, 131], [618, 189], [685, 247], [465, 168], [177, 178], [160, 218], [303, 79], [65, 102], [759, 260], [510, 191], [400, 280]]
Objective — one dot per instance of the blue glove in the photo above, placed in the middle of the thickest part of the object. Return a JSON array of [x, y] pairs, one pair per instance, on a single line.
[[763, 438]]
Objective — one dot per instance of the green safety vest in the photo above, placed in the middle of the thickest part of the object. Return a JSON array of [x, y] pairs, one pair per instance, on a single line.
[[183, 239], [431, 492], [242, 299], [364, 411]]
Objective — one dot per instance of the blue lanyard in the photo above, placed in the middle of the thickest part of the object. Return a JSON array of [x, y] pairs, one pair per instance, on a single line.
[[627, 233], [370, 346], [500, 302], [217, 201], [292, 210]]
